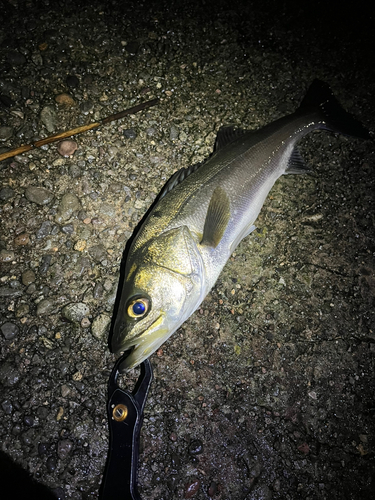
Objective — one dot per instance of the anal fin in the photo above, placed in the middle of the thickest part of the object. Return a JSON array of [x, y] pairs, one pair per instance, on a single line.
[[296, 164]]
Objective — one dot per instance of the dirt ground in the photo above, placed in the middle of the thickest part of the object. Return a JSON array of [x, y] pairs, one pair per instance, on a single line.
[[267, 391]]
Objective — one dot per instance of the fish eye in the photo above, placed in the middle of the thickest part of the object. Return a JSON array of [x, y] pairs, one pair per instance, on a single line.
[[138, 307]]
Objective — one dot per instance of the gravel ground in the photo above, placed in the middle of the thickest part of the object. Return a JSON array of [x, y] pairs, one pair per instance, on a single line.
[[267, 392]]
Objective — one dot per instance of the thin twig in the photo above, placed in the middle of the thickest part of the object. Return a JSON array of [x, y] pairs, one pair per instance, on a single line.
[[77, 130]]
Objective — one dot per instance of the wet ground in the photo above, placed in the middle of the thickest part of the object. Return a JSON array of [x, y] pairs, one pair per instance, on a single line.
[[266, 392]]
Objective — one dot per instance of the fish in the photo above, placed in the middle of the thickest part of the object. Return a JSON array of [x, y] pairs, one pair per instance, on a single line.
[[202, 214]]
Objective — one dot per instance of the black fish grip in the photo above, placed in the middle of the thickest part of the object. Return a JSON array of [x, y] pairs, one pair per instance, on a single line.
[[125, 417]]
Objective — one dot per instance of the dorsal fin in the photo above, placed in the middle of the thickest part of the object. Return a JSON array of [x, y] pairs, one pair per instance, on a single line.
[[177, 178], [217, 218], [228, 134]]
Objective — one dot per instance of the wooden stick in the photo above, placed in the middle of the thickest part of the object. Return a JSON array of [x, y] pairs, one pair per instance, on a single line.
[[78, 130]]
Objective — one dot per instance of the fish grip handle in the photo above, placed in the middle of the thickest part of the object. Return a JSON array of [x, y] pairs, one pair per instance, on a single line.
[[125, 418]]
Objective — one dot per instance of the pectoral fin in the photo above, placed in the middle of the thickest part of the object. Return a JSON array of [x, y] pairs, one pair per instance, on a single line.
[[217, 218]]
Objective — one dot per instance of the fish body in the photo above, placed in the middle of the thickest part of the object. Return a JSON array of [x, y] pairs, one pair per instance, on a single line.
[[201, 216]]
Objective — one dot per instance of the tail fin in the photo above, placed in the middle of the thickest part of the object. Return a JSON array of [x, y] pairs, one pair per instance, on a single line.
[[335, 117]]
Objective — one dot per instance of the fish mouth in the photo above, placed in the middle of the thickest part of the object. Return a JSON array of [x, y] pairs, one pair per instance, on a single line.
[[144, 345]]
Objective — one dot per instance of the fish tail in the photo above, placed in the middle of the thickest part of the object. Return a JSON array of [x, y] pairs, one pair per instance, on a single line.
[[334, 117]]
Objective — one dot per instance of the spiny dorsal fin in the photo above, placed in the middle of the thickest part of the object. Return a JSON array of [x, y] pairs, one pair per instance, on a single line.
[[226, 135], [177, 178], [296, 164], [217, 218]]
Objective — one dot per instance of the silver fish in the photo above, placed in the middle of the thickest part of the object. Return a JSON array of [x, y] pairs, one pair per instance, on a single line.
[[201, 216]]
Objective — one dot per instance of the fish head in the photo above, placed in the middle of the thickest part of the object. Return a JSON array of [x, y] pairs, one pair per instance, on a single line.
[[163, 286]]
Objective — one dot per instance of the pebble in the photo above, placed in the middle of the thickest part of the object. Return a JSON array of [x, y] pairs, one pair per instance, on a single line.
[[132, 47], [129, 133], [174, 133], [9, 330], [68, 205], [80, 245], [51, 464], [45, 306], [16, 58], [22, 240], [68, 229], [38, 195], [86, 107], [6, 193], [260, 492], [5, 133], [195, 447], [212, 490], [75, 312], [9, 375], [64, 447], [98, 252], [28, 420], [99, 326], [67, 148], [44, 230], [22, 310], [65, 99], [191, 488], [37, 59], [7, 291], [6, 101], [48, 117], [7, 406], [6, 255], [45, 263], [72, 81]]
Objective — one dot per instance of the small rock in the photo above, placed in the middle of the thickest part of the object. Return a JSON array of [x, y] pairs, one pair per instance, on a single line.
[[22, 240], [6, 255], [98, 252], [45, 262], [68, 205], [7, 406], [45, 306], [99, 326], [44, 230], [212, 490], [6, 101], [65, 100], [260, 492], [9, 375], [37, 59], [75, 312], [86, 107], [72, 81], [132, 47], [38, 195], [6, 193], [191, 488], [9, 330], [129, 133], [80, 245], [174, 133], [28, 277], [22, 310], [16, 58], [51, 464], [64, 447], [195, 447], [7, 291], [5, 133], [49, 118], [67, 148]]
